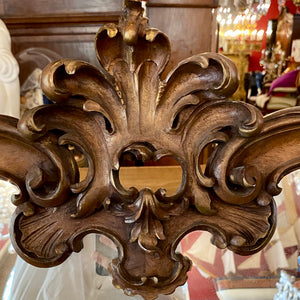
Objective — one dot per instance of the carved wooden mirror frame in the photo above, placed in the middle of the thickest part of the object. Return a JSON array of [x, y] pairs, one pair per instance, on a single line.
[[125, 107]]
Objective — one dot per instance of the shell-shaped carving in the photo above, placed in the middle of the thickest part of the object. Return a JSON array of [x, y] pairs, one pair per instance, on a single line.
[[125, 107], [146, 213]]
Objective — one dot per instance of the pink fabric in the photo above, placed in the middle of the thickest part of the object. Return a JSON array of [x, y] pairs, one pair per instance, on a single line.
[[286, 80]]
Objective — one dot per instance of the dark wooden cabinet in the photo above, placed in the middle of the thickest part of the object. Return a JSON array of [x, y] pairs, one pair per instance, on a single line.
[[189, 24], [296, 27], [68, 27], [23, 8]]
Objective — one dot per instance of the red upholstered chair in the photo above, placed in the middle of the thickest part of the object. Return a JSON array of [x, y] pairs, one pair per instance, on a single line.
[[284, 92]]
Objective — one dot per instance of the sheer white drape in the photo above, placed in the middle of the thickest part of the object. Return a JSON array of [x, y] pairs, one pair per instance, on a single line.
[[75, 279]]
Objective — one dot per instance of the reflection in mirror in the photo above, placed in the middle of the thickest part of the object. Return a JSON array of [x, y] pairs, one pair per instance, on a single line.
[[149, 175], [85, 275], [228, 276], [216, 274], [7, 190]]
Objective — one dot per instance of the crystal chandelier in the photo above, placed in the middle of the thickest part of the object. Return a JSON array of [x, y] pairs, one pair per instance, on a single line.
[[237, 21], [262, 7]]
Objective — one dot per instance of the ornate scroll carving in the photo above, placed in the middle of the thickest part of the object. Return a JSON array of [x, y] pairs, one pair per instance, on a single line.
[[125, 107]]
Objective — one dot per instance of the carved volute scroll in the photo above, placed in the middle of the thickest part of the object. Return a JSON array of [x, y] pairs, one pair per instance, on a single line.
[[125, 107]]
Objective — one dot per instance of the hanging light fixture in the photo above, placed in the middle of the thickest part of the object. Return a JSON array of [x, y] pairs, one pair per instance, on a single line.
[[243, 5], [237, 19], [263, 7]]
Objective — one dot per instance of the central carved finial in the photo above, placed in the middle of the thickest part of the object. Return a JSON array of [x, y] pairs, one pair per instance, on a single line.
[[132, 21], [125, 106]]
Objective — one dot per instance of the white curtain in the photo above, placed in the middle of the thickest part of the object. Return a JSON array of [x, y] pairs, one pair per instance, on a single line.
[[75, 279]]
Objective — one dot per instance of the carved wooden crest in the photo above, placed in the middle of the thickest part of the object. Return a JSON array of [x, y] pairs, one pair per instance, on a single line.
[[125, 107]]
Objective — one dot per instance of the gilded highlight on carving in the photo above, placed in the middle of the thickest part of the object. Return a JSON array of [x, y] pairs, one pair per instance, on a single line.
[[125, 107]]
